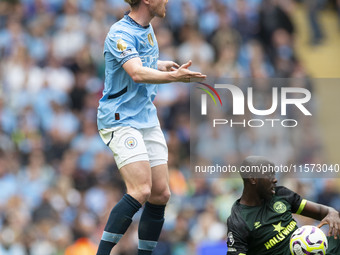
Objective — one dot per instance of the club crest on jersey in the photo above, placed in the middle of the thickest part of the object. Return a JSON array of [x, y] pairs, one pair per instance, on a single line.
[[130, 143], [279, 207], [121, 45], [150, 39]]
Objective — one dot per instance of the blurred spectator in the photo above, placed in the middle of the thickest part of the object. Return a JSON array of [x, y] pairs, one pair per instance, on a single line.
[[8, 181], [329, 196], [316, 31], [283, 53], [196, 49], [58, 77], [82, 246], [9, 244], [87, 144], [35, 178], [208, 227], [227, 65], [8, 119]]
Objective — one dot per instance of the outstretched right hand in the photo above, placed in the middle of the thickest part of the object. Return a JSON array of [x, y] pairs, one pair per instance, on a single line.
[[183, 74], [333, 220]]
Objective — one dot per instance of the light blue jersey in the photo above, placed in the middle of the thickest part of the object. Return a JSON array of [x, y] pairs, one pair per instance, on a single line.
[[124, 102]]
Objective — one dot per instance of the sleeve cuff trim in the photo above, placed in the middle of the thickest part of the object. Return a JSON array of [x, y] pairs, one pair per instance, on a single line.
[[128, 58], [302, 206]]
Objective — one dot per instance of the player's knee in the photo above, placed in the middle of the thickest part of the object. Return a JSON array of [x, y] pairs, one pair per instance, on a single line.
[[144, 193], [166, 196], [162, 197]]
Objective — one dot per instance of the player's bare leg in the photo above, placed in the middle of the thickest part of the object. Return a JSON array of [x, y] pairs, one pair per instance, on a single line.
[[137, 177], [160, 192], [138, 180]]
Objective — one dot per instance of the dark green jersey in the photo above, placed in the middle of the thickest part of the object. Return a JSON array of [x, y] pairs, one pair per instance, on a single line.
[[264, 229]]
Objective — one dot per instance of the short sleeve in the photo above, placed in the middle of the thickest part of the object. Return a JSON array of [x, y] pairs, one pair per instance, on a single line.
[[294, 199], [121, 45], [237, 234]]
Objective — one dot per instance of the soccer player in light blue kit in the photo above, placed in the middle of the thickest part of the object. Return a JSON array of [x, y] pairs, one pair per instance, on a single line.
[[128, 123]]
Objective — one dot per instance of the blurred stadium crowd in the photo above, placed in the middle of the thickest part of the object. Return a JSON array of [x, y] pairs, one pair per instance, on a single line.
[[58, 180]]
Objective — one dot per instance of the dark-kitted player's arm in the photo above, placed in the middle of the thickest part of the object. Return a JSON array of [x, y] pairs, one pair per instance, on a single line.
[[237, 235], [327, 216]]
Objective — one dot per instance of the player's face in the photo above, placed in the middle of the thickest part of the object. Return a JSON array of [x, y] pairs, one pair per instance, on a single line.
[[158, 8], [266, 186]]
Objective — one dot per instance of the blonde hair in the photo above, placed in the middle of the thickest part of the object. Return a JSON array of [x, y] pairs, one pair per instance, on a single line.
[[133, 3]]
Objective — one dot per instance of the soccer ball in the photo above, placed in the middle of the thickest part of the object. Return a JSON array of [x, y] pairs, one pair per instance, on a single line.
[[308, 240]]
